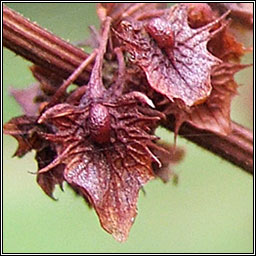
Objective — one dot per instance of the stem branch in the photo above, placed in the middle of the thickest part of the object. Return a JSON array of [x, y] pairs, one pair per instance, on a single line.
[[236, 148], [41, 47]]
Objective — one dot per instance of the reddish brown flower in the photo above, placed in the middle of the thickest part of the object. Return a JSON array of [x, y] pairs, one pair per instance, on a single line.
[[108, 169], [183, 74]]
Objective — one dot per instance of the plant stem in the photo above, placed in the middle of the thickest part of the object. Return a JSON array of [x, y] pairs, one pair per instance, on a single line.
[[41, 47], [48, 51], [236, 148]]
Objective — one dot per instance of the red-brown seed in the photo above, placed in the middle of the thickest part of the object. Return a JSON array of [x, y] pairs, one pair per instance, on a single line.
[[162, 33], [99, 123]]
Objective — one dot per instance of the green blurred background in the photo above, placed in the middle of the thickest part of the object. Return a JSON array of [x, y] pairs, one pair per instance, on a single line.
[[210, 211]]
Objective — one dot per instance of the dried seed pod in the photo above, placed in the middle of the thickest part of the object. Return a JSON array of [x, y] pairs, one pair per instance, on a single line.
[[161, 31], [183, 74], [99, 123]]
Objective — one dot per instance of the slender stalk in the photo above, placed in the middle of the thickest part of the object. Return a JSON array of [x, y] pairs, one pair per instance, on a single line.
[[48, 51]]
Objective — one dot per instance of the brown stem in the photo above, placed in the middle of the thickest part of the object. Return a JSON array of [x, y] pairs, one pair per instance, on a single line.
[[41, 47], [50, 52], [236, 148]]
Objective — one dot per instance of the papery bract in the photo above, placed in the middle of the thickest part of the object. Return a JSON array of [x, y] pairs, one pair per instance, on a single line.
[[185, 75], [109, 175]]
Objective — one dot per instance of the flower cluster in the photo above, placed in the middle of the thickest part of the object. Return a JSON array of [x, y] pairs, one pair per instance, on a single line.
[[100, 137]]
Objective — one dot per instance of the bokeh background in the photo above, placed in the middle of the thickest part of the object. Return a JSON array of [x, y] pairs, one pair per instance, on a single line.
[[209, 211]]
